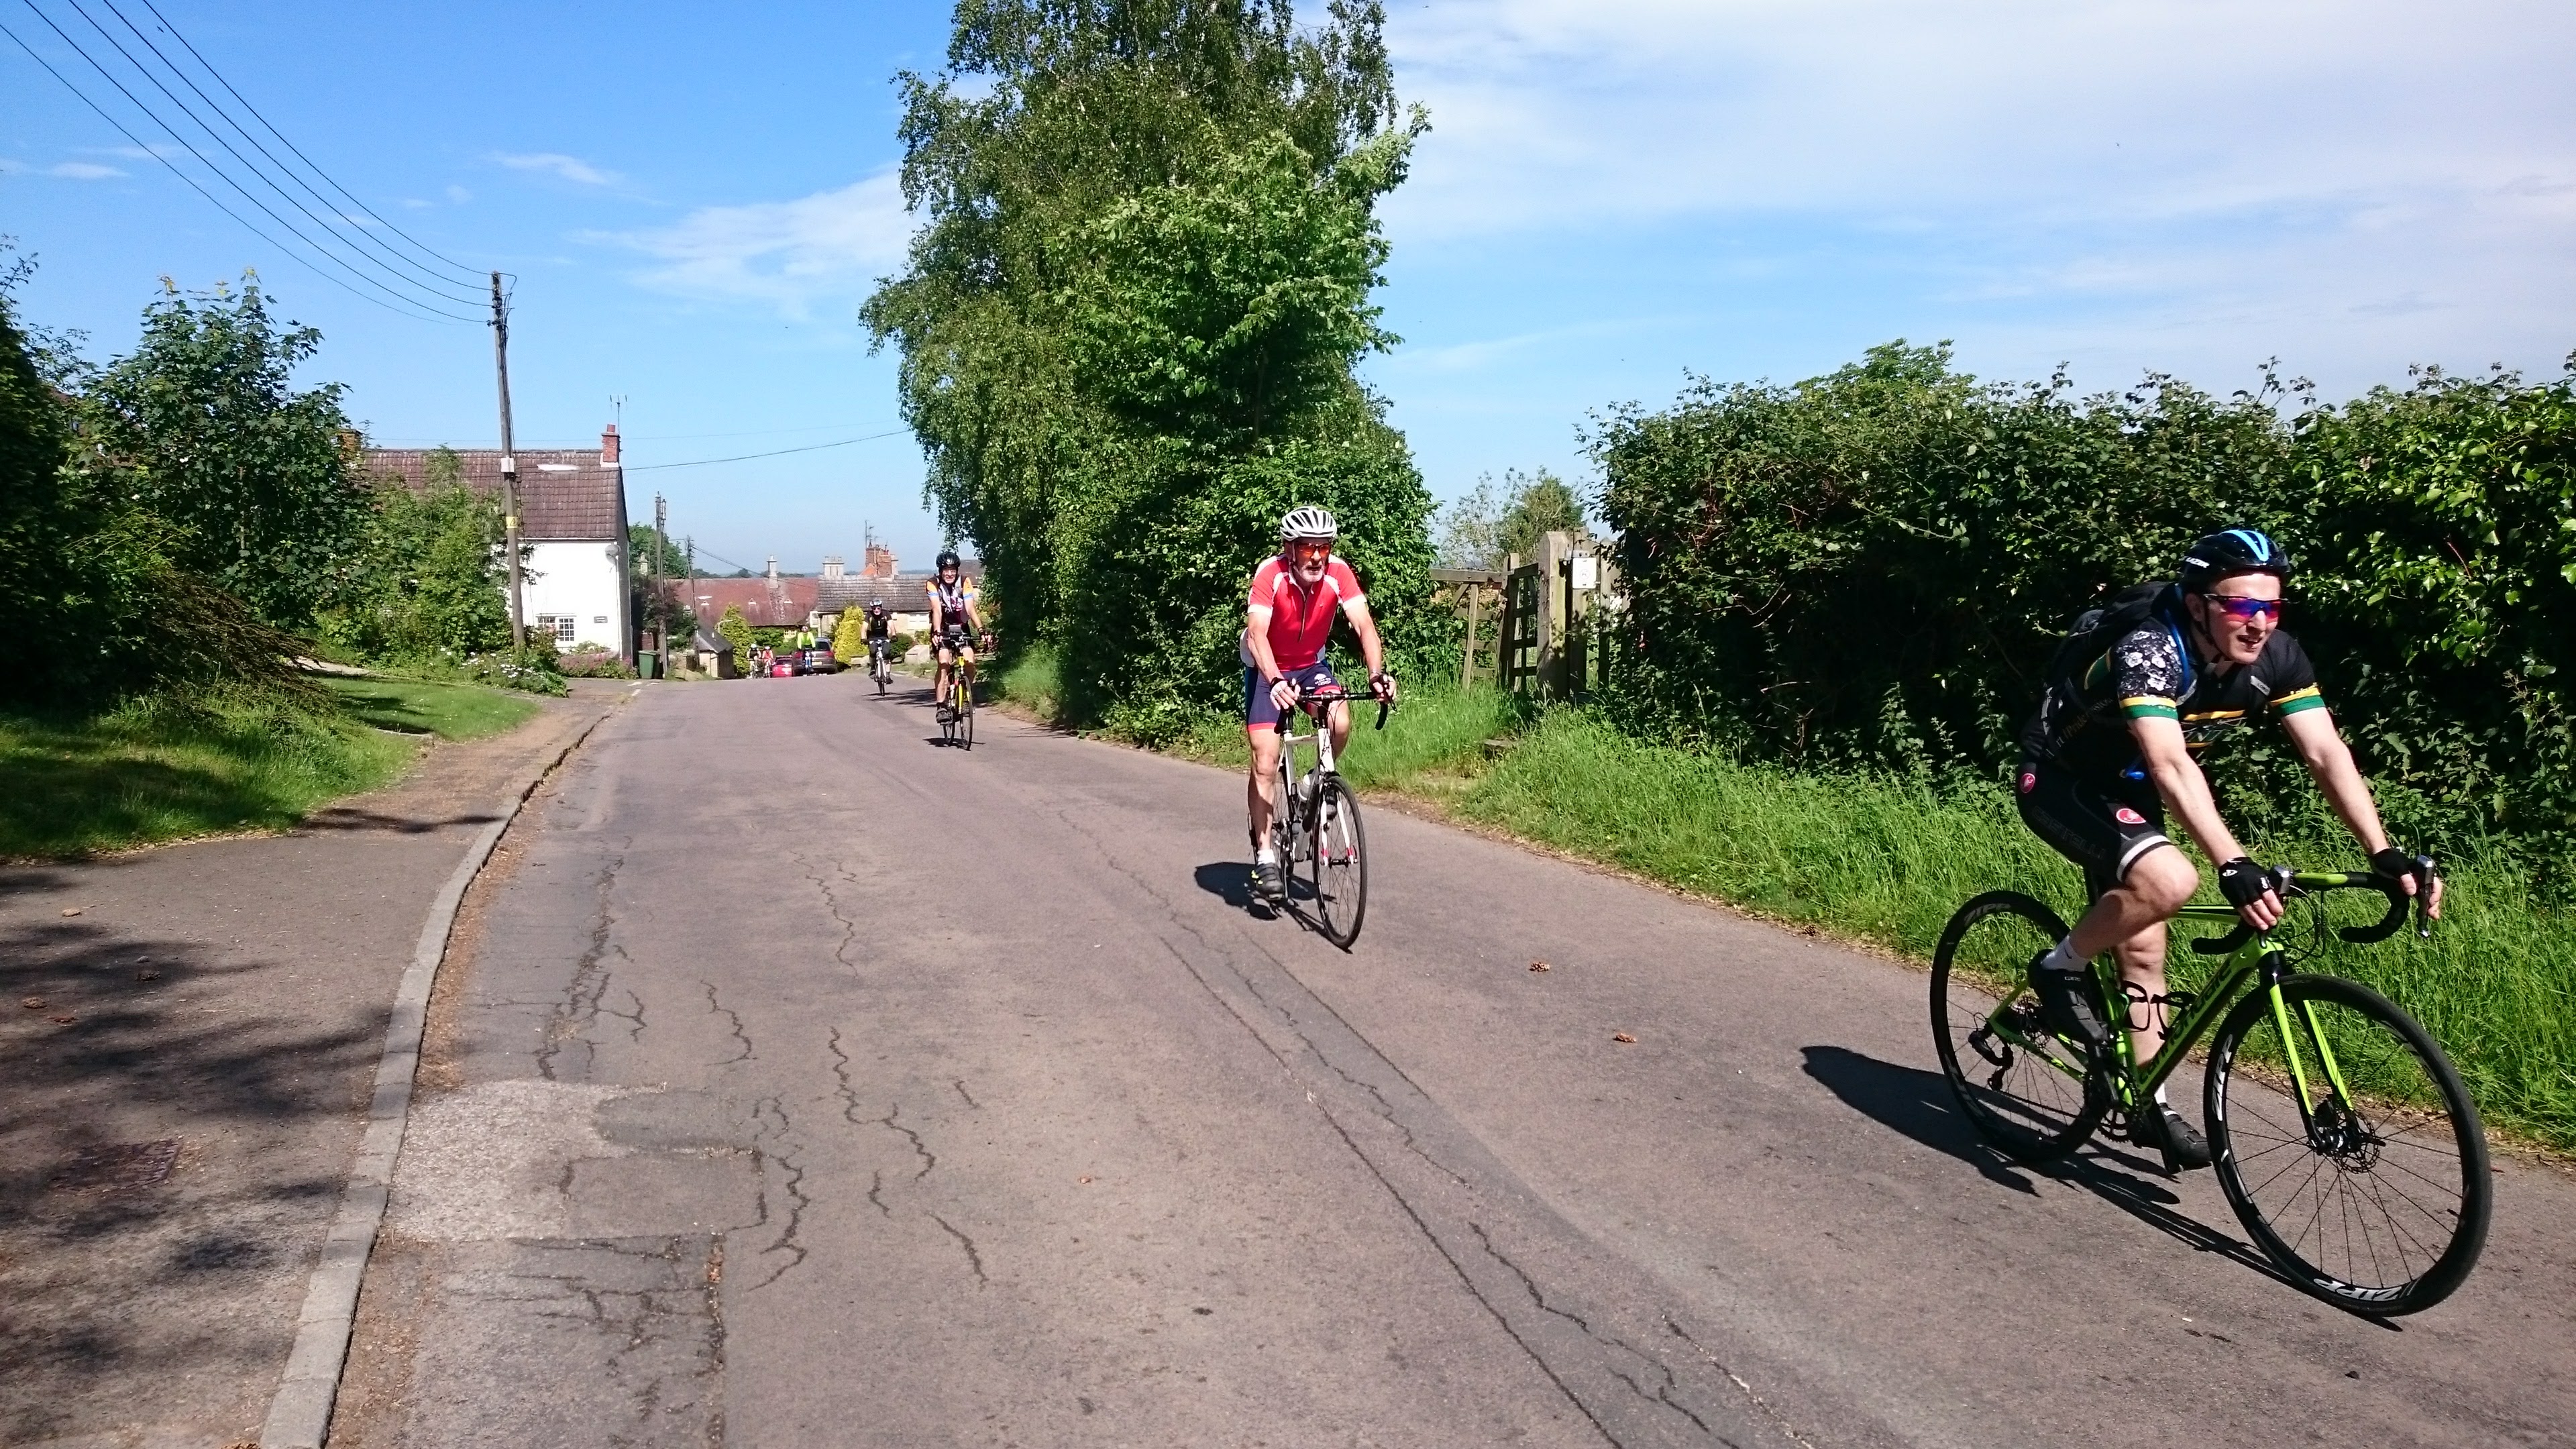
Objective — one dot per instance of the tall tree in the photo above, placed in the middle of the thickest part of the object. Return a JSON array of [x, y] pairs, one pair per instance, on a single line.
[[259, 479], [1129, 323]]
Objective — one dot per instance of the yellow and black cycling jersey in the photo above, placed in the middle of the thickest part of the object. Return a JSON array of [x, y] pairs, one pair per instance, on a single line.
[[2150, 672]]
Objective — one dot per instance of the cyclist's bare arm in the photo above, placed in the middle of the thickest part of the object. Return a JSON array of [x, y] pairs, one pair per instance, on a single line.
[[2312, 732], [1372, 652], [2186, 793], [1256, 633]]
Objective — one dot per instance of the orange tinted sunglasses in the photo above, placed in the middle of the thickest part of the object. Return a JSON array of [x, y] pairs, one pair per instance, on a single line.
[[1308, 550]]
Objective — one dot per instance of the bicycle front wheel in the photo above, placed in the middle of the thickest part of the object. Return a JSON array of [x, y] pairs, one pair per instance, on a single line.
[[2023, 1089], [1339, 865], [2376, 1196], [966, 714]]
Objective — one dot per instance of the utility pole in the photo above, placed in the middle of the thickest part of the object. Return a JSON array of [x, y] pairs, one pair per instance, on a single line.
[[661, 546], [509, 466]]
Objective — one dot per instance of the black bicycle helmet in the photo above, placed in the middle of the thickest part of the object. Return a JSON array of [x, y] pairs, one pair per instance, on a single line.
[[2230, 552], [948, 560]]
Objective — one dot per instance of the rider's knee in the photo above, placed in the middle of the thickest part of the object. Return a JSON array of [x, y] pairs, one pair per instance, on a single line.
[[2162, 880]]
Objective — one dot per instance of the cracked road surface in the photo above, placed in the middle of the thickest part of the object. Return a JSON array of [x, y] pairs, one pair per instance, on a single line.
[[809, 1084]]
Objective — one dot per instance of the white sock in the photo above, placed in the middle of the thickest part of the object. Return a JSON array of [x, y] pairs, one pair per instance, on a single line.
[[2160, 1096], [1266, 855], [2062, 957]]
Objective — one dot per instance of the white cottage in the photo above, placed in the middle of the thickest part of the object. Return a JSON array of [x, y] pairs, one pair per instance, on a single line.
[[572, 516]]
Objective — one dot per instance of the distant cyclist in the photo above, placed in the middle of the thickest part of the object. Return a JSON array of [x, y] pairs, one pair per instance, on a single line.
[[1288, 625], [955, 621], [880, 633], [2111, 749]]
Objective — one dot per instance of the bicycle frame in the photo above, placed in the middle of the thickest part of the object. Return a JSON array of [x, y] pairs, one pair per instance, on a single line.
[[2258, 958]]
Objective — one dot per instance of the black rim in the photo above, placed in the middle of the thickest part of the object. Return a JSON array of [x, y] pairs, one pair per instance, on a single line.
[[1340, 863], [2380, 1206], [2030, 1109]]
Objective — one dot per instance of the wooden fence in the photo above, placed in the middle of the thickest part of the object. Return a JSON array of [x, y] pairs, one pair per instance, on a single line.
[[1529, 625]]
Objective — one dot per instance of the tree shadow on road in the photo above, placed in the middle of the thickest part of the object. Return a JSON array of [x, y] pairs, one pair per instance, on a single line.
[[1919, 1104]]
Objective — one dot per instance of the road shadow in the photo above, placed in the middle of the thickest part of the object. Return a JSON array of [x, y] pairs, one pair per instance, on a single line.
[[1920, 1105], [135, 1226], [1231, 882], [343, 818]]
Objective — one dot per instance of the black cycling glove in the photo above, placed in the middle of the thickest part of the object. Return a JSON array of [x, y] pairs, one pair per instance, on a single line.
[[2393, 863], [2243, 881]]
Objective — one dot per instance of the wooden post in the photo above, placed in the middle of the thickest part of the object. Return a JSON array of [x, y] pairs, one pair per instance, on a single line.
[[1467, 661], [1507, 650], [1555, 566]]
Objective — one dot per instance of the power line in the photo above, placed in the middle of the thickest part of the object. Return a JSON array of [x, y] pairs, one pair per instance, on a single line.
[[193, 183], [777, 453], [422, 247], [225, 176], [433, 283]]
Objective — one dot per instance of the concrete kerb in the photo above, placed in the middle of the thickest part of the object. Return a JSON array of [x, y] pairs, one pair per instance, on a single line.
[[299, 1415]]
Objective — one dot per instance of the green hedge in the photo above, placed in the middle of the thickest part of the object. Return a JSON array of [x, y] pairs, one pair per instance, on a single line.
[[1871, 568]]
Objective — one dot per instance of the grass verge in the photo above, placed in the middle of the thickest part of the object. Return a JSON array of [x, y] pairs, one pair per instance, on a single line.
[[1886, 861], [414, 706], [160, 769]]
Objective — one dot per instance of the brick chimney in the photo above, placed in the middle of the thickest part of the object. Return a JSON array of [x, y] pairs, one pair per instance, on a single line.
[[880, 562], [608, 446]]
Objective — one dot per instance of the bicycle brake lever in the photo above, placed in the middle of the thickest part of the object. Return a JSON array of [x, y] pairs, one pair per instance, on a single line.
[[2424, 878]]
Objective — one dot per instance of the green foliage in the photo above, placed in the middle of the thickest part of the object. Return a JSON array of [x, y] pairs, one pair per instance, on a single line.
[[641, 544], [737, 631], [82, 559], [1873, 567], [203, 426], [1494, 520], [533, 670], [850, 637], [426, 581], [1129, 326]]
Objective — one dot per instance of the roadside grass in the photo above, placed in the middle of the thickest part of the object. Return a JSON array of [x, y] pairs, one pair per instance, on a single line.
[[158, 769], [416, 706]]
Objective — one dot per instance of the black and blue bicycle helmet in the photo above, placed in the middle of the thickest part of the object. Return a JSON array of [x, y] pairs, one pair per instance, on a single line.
[[2229, 552]]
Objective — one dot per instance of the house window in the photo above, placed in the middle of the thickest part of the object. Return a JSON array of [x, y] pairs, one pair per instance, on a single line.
[[563, 625]]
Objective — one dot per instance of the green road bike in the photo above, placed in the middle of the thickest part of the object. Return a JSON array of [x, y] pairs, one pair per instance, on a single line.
[[2342, 1135]]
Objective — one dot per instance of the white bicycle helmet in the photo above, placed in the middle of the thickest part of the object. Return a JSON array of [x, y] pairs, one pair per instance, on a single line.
[[1307, 521]]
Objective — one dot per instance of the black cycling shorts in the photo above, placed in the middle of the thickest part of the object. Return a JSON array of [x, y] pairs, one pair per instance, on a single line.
[[2101, 825]]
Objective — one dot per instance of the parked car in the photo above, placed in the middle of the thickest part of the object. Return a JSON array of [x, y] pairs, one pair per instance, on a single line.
[[821, 661], [786, 665]]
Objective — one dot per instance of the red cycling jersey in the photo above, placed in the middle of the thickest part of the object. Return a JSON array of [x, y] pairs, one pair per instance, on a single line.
[[1301, 622]]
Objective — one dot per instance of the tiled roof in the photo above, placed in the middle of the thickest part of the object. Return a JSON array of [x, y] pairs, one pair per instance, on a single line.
[[564, 493], [782, 604], [850, 591]]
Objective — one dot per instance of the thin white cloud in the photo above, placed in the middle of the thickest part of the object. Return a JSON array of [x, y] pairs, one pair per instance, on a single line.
[[792, 255], [459, 195], [555, 163], [81, 171]]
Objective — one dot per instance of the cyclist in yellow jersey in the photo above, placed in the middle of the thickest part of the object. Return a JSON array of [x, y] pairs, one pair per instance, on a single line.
[[955, 622]]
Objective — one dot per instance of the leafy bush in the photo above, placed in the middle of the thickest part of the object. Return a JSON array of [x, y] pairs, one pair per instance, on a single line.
[[534, 669], [593, 664], [1873, 567], [737, 631], [427, 581]]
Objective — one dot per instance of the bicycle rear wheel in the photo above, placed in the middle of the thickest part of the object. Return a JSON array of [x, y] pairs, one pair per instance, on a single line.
[[2036, 1101], [1339, 865], [2377, 1198]]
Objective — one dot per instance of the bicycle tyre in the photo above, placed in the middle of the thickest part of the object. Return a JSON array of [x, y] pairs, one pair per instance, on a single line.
[[966, 715], [1340, 862], [2450, 1154], [2042, 1115]]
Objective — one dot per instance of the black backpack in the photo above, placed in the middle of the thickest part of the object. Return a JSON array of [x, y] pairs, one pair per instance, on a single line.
[[2097, 629]]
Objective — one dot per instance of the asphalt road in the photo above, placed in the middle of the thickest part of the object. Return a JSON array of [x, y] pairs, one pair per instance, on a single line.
[[808, 1083]]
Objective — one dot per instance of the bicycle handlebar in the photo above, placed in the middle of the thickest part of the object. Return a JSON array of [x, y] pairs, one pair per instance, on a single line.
[[1314, 700], [2289, 884]]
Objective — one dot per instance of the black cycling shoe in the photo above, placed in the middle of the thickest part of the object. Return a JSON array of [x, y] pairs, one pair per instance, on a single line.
[[2066, 1004], [2162, 1128], [1267, 882]]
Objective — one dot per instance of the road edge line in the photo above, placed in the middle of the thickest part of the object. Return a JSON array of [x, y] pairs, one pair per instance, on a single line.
[[299, 1413]]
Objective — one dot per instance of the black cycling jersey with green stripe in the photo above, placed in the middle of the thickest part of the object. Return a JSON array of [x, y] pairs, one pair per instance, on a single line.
[[2082, 722]]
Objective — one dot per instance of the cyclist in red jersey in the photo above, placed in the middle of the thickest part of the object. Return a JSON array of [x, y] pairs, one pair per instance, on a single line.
[[1288, 626]]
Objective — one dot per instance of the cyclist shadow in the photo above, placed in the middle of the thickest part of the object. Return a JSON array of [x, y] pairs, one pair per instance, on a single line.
[[1919, 1105], [1231, 882]]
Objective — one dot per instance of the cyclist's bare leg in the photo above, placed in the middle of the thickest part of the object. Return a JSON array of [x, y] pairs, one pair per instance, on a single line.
[[939, 675], [1263, 781], [1341, 728], [2129, 920]]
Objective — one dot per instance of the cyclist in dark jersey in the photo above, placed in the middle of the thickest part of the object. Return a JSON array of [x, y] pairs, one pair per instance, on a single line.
[[2112, 747], [880, 631]]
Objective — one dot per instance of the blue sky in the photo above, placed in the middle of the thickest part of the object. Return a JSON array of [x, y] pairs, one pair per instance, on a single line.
[[1614, 192]]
